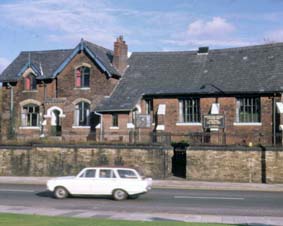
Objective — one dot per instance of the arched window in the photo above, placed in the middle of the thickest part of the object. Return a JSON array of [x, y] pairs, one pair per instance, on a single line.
[[30, 115], [82, 77], [30, 82], [82, 114]]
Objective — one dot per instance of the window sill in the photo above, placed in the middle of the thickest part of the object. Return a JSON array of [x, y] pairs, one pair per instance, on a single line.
[[30, 91], [188, 124], [82, 88], [30, 127], [247, 124], [114, 127], [81, 127]]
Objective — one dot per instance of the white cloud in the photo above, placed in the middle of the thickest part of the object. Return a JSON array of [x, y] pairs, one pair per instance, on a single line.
[[66, 20], [3, 63], [216, 27], [217, 32]]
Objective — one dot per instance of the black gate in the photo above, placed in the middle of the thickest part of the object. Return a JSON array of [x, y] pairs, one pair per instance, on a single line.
[[179, 162]]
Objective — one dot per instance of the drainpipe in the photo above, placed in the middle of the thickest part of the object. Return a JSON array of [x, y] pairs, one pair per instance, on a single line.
[[11, 133], [274, 119], [101, 124]]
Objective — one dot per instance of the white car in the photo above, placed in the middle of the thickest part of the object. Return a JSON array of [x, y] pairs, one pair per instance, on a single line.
[[120, 183]]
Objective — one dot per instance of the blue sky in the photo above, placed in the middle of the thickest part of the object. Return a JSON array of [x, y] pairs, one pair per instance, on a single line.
[[147, 25]]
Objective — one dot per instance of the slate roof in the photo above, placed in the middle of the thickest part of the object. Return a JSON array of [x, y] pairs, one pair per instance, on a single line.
[[50, 60], [254, 69]]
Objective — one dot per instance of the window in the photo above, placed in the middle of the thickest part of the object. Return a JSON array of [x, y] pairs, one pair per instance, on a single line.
[[30, 82], [82, 114], [82, 77], [88, 173], [106, 173], [115, 122], [30, 115], [248, 109], [148, 106], [189, 110], [127, 174], [149, 110]]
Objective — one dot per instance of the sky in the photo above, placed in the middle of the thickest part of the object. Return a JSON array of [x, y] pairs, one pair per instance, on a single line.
[[146, 25]]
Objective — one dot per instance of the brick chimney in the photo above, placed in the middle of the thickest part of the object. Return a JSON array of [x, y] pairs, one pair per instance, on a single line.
[[120, 54]]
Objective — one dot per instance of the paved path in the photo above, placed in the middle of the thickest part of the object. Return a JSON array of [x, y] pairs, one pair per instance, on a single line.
[[175, 184]]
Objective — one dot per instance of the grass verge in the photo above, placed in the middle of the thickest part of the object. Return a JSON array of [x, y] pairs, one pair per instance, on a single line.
[[35, 220]]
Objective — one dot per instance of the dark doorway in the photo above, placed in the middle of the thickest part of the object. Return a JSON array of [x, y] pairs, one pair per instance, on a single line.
[[179, 162], [56, 129], [94, 120]]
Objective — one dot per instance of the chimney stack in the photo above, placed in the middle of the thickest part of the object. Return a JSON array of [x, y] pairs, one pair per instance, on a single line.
[[120, 54]]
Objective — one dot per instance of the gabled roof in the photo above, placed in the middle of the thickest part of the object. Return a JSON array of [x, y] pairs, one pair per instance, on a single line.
[[254, 69], [50, 63]]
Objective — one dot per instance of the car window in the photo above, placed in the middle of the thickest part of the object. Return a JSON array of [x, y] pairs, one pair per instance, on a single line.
[[106, 173], [90, 173], [129, 174]]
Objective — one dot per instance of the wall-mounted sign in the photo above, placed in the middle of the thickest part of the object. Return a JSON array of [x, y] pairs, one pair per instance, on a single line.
[[213, 121], [143, 121]]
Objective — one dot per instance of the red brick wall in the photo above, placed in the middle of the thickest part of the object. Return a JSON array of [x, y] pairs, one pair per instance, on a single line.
[[100, 86], [235, 134]]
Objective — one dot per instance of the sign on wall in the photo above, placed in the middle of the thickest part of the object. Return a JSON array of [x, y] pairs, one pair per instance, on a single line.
[[143, 121], [213, 121]]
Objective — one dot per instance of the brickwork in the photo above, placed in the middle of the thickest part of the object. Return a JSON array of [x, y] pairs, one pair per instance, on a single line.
[[235, 133], [47, 95]]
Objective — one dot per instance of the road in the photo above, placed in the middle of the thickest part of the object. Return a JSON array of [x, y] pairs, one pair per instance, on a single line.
[[230, 203]]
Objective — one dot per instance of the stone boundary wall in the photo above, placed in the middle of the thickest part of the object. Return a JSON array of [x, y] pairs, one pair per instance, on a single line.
[[235, 164], [69, 160], [227, 164]]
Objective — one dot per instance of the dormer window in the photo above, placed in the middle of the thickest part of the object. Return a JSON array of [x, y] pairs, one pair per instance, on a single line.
[[30, 82], [82, 77]]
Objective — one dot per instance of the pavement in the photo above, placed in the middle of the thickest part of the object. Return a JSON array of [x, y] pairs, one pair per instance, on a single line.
[[168, 184], [165, 184]]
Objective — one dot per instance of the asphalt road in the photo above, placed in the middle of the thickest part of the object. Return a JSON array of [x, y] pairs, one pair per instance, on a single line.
[[236, 203]]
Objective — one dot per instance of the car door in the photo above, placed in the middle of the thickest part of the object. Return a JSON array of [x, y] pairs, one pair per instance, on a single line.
[[83, 183], [106, 182]]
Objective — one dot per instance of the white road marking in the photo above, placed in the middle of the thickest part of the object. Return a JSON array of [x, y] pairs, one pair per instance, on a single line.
[[16, 190], [209, 197]]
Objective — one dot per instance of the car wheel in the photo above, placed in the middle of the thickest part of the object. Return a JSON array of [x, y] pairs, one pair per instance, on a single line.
[[60, 193], [119, 194]]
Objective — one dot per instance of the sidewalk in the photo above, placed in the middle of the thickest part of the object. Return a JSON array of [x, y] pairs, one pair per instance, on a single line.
[[168, 184]]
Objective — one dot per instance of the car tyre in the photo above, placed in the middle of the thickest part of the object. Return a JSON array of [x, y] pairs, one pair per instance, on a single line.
[[60, 193], [119, 195]]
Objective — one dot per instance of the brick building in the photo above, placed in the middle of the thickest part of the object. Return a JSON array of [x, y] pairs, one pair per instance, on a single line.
[[226, 96], [53, 93]]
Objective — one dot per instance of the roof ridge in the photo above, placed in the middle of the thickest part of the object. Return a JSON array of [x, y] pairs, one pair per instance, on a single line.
[[268, 45], [51, 50]]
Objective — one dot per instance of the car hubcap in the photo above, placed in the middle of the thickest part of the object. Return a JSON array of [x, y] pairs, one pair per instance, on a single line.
[[120, 194], [61, 193]]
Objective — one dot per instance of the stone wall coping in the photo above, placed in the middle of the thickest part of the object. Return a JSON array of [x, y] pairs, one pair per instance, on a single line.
[[116, 146], [234, 148]]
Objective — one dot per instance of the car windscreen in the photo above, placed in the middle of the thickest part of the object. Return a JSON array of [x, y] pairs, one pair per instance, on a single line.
[[127, 174]]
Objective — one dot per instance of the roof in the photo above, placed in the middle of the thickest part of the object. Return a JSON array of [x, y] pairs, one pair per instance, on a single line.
[[48, 64], [253, 69]]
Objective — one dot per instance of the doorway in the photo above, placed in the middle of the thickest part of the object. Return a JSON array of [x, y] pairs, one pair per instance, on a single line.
[[56, 129], [179, 161]]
